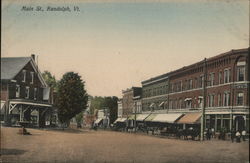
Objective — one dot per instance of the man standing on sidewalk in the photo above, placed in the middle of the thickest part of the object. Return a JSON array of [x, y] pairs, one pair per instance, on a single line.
[[233, 134], [243, 133]]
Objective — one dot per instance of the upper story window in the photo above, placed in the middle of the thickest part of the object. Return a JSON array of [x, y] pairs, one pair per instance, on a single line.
[[201, 79], [240, 97], [227, 75], [226, 99], [190, 84], [17, 91], [32, 77], [211, 79], [240, 73], [27, 92], [219, 100], [35, 93], [24, 76], [211, 100], [220, 77]]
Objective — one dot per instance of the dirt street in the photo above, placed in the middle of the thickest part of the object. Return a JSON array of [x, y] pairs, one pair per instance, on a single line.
[[107, 146]]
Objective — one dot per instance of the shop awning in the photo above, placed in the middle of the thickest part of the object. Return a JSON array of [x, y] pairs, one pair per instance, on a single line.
[[167, 118], [98, 120], [162, 103], [150, 117], [190, 118], [188, 99], [141, 117], [120, 120], [151, 105], [131, 117]]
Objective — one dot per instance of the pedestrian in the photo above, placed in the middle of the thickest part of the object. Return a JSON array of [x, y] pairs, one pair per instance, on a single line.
[[243, 133], [237, 137], [209, 133], [233, 134], [213, 132]]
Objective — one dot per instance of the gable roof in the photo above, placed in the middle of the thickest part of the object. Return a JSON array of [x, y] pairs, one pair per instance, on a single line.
[[11, 66]]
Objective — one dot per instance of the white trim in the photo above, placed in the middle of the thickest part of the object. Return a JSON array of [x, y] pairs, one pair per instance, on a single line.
[[14, 81], [38, 72], [32, 77], [29, 103]]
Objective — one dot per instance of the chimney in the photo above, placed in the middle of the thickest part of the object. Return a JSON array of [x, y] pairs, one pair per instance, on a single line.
[[33, 57]]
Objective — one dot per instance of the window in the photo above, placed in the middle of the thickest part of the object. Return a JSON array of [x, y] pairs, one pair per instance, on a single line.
[[27, 92], [189, 103], [220, 78], [200, 101], [32, 77], [241, 73], [226, 99], [201, 81], [219, 100], [24, 75], [211, 100], [226, 75], [180, 103], [17, 90], [211, 79], [35, 93], [190, 84], [240, 99]]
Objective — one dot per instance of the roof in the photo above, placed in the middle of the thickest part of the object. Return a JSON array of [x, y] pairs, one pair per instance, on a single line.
[[10, 67], [190, 118]]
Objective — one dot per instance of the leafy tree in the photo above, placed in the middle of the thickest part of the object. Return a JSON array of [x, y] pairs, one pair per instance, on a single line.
[[50, 80], [98, 103], [72, 97], [111, 103]]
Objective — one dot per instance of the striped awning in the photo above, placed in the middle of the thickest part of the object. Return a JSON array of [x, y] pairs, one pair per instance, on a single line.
[[141, 117], [120, 120], [164, 118], [190, 118], [98, 120]]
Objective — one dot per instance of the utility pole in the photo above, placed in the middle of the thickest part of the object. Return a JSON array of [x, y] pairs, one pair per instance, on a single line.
[[204, 99]]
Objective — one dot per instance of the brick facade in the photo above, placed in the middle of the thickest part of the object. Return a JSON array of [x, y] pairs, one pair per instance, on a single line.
[[226, 77]]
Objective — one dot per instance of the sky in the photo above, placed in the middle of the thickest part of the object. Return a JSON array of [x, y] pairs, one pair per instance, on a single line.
[[117, 45]]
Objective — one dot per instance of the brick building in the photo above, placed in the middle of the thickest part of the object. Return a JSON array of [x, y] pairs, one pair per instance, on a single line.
[[222, 80], [127, 100]]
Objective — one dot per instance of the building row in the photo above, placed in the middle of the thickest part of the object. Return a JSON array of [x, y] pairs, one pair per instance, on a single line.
[[220, 84]]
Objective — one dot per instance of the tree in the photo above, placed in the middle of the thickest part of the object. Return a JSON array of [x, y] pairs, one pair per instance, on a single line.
[[111, 103], [98, 103], [72, 97], [50, 80]]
